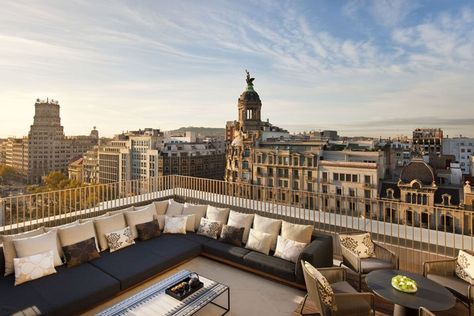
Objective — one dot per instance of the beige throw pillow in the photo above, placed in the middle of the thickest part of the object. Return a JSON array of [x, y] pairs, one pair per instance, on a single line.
[[139, 217], [9, 252], [296, 232], [289, 249], [174, 208], [119, 239], [33, 267], [209, 228], [237, 219], [121, 211], [26, 247], [175, 225], [325, 289], [465, 266], [106, 225], [73, 234], [217, 214], [361, 244], [268, 225], [161, 207], [259, 241], [198, 210]]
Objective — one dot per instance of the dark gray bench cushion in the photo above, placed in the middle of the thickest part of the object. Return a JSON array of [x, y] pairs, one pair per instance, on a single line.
[[174, 248], [131, 265], [197, 238], [2, 262], [225, 251], [68, 292], [271, 265]]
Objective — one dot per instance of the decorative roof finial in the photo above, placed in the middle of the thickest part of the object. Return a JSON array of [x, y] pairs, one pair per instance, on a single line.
[[249, 80]]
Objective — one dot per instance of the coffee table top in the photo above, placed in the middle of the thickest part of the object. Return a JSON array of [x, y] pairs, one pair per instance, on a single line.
[[154, 301], [430, 294]]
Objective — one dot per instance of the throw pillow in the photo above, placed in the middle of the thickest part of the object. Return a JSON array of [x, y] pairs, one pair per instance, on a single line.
[[148, 230], [296, 232], [289, 249], [465, 266], [26, 247], [259, 241], [9, 252], [138, 217], [106, 225], [81, 252], [237, 219], [175, 225], [73, 234], [47, 229], [161, 221], [121, 211], [232, 235], [198, 210], [360, 244], [268, 225], [209, 228], [217, 214], [325, 290], [119, 239], [174, 208], [33, 267], [161, 207]]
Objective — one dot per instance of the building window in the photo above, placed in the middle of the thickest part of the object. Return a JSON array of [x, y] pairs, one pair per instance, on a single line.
[[389, 193], [325, 189], [367, 179], [338, 191], [325, 176], [351, 192], [367, 194], [336, 176], [355, 178]]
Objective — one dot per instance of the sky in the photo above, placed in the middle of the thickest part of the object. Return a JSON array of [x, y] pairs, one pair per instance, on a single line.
[[374, 68]]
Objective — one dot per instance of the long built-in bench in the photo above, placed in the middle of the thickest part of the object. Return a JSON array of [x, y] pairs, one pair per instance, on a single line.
[[74, 290]]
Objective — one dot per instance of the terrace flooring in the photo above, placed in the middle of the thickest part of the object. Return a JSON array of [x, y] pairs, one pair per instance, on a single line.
[[250, 294]]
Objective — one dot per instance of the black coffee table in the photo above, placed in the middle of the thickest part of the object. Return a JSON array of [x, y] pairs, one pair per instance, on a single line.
[[430, 294]]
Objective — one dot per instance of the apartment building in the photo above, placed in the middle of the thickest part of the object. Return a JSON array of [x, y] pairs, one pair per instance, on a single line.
[[428, 140], [462, 148]]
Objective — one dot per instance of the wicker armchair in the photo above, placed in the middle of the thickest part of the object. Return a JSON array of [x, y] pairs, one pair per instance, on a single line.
[[424, 312], [383, 259], [346, 300], [444, 272]]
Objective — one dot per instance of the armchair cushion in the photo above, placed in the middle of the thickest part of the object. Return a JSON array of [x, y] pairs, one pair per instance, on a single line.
[[465, 266], [360, 244], [371, 264], [349, 305], [343, 287], [453, 283]]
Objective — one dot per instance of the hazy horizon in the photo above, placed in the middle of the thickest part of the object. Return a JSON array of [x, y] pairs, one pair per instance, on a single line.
[[363, 68]]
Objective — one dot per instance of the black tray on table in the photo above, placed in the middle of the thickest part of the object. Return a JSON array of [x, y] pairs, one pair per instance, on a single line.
[[182, 295]]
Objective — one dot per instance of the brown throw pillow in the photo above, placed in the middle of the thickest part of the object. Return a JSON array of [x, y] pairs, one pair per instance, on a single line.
[[81, 252], [148, 230], [232, 235]]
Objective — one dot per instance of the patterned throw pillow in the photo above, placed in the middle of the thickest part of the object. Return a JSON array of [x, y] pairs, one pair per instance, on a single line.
[[148, 230], [325, 289], [119, 239], [289, 249], [175, 225], [232, 235], [209, 228], [259, 241], [80, 252], [360, 244], [34, 267], [465, 266]]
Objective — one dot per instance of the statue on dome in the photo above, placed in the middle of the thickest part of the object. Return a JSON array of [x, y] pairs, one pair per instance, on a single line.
[[249, 80]]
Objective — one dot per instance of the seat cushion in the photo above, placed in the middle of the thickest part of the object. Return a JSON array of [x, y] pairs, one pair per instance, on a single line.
[[225, 251], [200, 239], [131, 265], [269, 264], [342, 287], [352, 306], [455, 284], [372, 264], [69, 291]]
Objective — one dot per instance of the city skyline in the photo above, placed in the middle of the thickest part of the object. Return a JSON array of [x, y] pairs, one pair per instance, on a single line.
[[373, 69]]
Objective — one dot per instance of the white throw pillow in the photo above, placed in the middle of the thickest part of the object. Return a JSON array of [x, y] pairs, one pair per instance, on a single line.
[[209, 228], [106, 225], [217, 214], [268, 225], [289, 249], [297, 232], [33, 267], [26, 247], [175, 225], [119, 239], [259, 241], [174, 208], [465, 266], [139, 216], [237, 219], [198, 210], [360, 244]]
